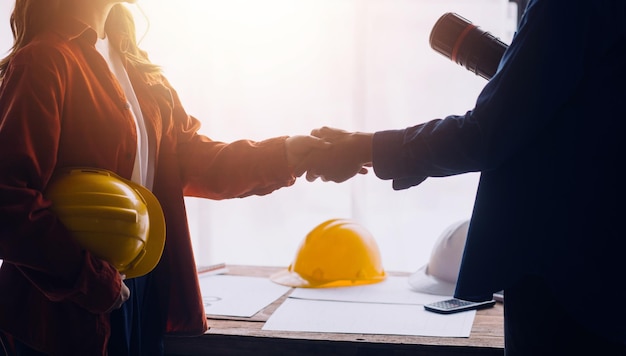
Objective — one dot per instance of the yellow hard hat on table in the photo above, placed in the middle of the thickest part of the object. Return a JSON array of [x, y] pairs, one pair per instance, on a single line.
[[336, 253], [114, 218]]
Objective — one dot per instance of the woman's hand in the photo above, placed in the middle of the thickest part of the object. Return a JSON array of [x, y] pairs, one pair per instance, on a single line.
[[122, 297], [298, 150], [349, 155]]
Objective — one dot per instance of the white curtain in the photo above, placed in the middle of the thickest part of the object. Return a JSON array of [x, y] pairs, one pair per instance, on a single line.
[[262, 68]]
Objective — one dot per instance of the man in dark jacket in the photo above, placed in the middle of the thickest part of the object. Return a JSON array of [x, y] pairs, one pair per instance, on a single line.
[[546, 134]]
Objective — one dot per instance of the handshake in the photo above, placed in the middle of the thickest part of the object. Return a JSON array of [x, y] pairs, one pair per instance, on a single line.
[[330, 154]]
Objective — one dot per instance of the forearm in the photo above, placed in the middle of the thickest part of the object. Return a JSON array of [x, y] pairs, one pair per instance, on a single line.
[[217, 170]]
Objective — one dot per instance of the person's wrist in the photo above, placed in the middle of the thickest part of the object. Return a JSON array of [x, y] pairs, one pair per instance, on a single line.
[[289, 154], [364, 143]]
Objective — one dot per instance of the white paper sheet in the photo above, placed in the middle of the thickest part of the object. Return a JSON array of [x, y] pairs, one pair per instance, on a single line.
[[239, 296], [367, 318], [386, 308], [394, 290]]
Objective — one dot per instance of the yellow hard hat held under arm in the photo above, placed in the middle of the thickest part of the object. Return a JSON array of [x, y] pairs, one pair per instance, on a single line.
[[116, 219]]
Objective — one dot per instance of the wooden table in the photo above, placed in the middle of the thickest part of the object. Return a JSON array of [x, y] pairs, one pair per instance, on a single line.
[[243, 336]]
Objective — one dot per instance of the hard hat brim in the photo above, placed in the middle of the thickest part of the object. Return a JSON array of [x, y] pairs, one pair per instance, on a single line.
[[422, 282], [290, 278], [156, 235]]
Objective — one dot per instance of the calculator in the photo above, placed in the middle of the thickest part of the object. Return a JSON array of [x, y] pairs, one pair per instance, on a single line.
[[455, 305]]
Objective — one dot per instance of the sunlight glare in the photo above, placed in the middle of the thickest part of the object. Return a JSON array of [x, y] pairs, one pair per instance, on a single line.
[[263, 28]]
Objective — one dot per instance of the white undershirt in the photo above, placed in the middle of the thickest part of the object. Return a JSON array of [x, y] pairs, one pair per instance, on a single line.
[[142, 172]]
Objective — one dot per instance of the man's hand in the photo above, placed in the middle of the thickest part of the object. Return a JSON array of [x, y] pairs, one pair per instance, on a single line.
[[349, 155]]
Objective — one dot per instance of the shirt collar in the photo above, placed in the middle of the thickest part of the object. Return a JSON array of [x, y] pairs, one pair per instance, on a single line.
[[71, 28]]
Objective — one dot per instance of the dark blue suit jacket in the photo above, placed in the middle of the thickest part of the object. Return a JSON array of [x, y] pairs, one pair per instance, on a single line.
[[548, 134]]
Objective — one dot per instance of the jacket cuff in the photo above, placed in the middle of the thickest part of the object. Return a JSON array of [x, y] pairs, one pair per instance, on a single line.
[[390, 159]]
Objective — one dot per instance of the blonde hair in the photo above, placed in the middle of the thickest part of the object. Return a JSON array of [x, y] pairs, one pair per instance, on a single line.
[[31, 17]]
